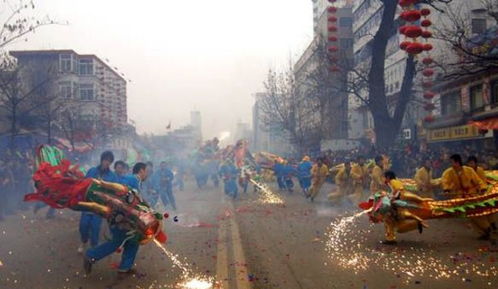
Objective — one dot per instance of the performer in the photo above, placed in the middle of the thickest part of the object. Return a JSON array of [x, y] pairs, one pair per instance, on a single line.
[[423, 179], [90, 223], [377, 182], [289, 171], [121, 170], [304, 174], [344, 179], [359, 175], [278, 168], [319, 174], [461, 181], [163, 184], [472, 162], [149, 191], [229, 173], [122, 235]]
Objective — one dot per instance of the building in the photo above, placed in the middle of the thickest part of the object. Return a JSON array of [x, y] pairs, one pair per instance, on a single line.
[[316, 82], [84, 84]]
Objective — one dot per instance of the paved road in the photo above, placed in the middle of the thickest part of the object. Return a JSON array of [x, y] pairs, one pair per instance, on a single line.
[[252, 243]]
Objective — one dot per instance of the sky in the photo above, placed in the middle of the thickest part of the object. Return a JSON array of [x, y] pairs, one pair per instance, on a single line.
[[182, 55]]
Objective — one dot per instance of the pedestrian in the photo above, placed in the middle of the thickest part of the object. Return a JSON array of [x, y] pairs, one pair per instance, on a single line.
[[121, 236], [163, 185], [90, 223]]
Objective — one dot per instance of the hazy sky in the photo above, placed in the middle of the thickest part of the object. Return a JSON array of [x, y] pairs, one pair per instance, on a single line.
[[182, 55]]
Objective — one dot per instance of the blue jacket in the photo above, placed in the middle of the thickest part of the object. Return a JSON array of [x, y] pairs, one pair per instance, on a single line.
[[304, 169], [278, 168], [97, 173], [162, 180], [229, 172], [134, 182]]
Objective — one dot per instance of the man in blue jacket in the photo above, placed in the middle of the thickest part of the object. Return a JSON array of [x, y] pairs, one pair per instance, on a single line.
[[304, 174], [120, 236], [163, 184], [89, 222]]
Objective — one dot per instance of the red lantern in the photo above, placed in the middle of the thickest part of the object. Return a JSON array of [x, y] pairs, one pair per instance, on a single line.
[[415, 48], [429, 118], [332, 19], [406, 3], [425, 11], [334, 68], [426, 34], [428, 72], [429, 95], [413, 31], [333, 48], [332, 38], [426, 23], [332, 28], [428, 47], [410, 15], [428, 60], [403, 45], [429, 106], [427, 84], [332, 9]]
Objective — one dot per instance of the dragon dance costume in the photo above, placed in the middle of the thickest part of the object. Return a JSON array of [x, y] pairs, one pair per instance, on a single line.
[[62, 185], [404, 211]]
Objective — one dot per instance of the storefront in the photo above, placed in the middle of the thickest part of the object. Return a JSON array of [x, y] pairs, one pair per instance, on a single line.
[[459, 136]]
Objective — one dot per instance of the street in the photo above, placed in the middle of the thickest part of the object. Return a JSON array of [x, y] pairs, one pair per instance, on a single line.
[[253, 242]]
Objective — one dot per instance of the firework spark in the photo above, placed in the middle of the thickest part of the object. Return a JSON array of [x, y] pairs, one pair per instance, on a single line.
[[267, 196]]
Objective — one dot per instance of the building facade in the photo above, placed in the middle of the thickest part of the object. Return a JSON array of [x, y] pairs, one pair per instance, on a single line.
[[83, 84]]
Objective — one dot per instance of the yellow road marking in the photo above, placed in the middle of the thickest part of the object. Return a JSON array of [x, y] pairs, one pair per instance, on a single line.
[[222, 256], [238, 253]]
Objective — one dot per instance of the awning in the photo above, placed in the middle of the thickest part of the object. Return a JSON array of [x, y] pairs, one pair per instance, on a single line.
[[490, 123]]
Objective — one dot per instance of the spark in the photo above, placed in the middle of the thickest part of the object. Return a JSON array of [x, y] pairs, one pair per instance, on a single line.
[[192, 281], [267, 196], [346, 246]]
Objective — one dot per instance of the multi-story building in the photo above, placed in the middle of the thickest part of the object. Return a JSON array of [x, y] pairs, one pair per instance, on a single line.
[[82, 83], [314, 77]]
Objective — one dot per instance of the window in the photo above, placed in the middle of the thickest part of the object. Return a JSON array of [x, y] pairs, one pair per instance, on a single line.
[[451, 103], [87, 91], [346, 43], [86, 66], [494, 92], [65, 62], [346, 22], [66, 89], [478, 26], [476, 98]]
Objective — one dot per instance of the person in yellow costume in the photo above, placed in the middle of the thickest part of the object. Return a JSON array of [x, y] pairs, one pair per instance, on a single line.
[[359, 175], [319, 174], [423, 179], [462, 181], [400, 219], [472, 162], [377, 182], [343, 179]]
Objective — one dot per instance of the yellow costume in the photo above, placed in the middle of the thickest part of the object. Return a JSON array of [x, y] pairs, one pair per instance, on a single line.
[[359, 175], [465, 183], [424, 181], [377, 182], [319, 175], [344, 182]]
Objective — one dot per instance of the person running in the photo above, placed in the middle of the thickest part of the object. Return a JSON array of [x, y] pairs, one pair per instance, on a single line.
[[163, 184], [304, 174], [90, 223], [319, 174]]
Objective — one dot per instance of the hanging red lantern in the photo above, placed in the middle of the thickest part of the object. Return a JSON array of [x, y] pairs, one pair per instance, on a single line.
[[413, 31], [427, 84], [425, 11], [427, 60], [406, 3], [402, 29], [403, 45], [429, 106], [428, 47], [333, 48], [334, 68], [333, 38], [426, 23], [332, 19], [332, 28], [428, 72], [410, 15], [332, 9], [429, 118], [429, 95], [426, 34], [415, 48]]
